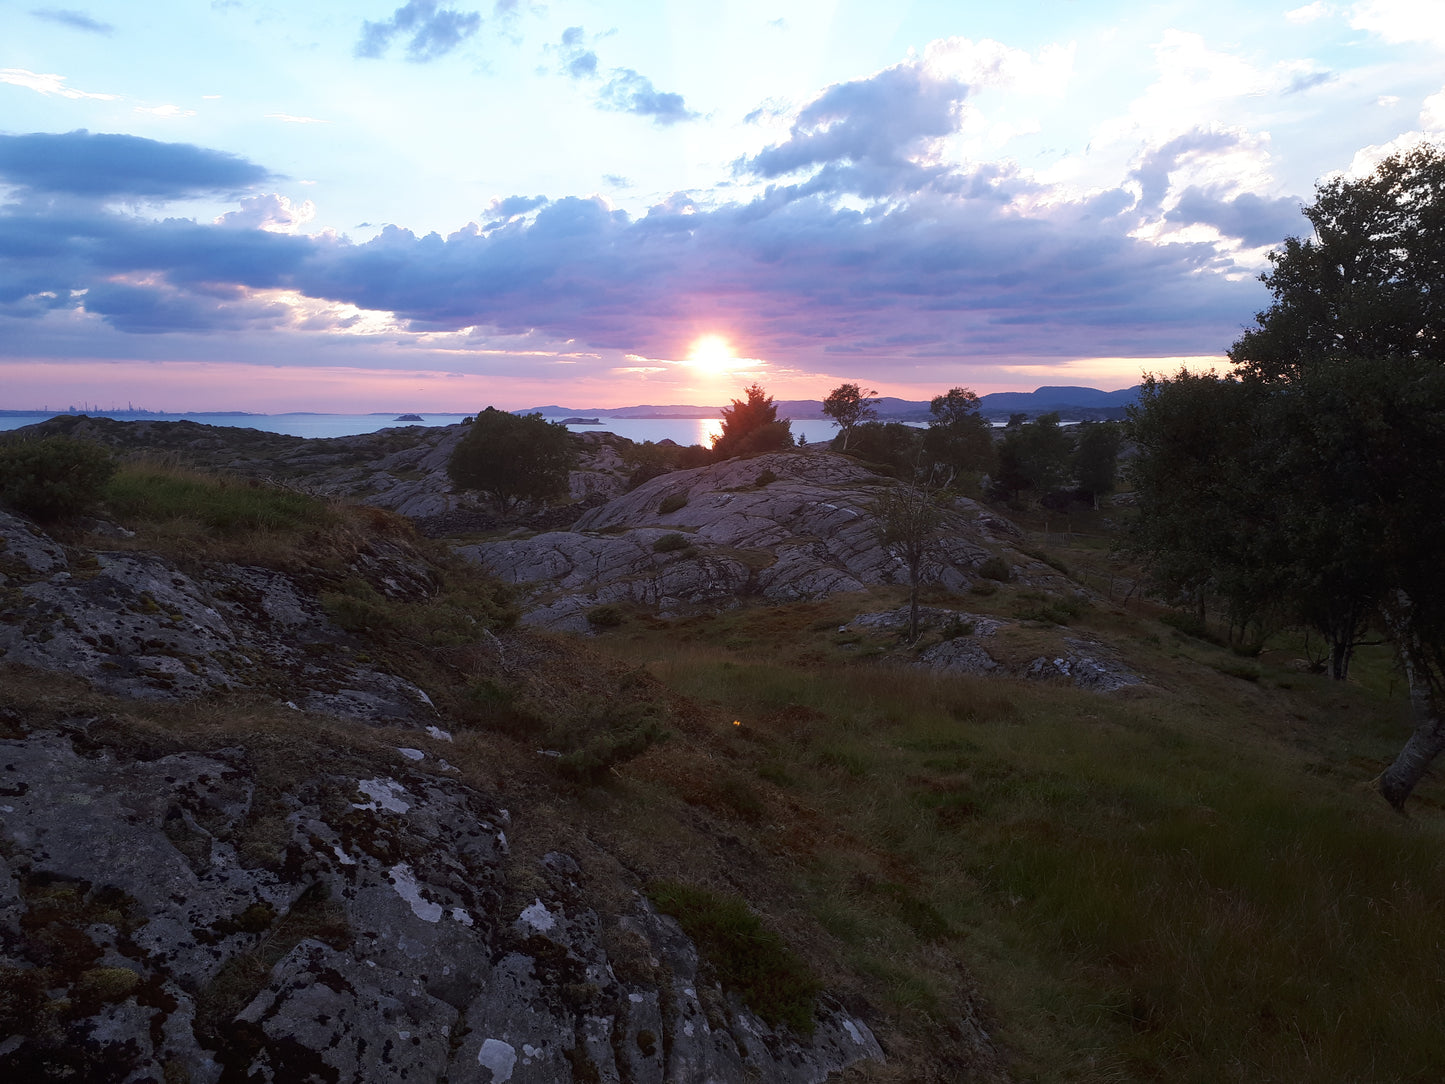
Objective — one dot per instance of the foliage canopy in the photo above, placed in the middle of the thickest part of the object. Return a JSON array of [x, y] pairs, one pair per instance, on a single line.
[[1307, 486], [513, 458]]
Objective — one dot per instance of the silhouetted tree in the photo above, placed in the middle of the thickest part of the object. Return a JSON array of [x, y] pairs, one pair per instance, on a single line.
[[751, 425]]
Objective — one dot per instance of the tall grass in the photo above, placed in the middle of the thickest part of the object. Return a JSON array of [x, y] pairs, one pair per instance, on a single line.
[[156, 493], [1157, 889]]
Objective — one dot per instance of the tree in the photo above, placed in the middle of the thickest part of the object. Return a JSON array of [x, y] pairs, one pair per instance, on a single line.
[[1096, 459], [513, 458], [1034, 457], [959, 438], [751, 425], [848, 404], [1336, 436], [907, 519]]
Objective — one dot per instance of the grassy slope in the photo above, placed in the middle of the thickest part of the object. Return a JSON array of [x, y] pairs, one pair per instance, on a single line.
[[1190, 883]]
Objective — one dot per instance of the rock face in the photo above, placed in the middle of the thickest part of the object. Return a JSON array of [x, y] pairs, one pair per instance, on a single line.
[[782, 526], [965, 649], [136, 625], [140, 938]]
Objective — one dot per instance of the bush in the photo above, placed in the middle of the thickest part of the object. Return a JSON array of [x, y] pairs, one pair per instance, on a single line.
[[591, 763], [996, 568], [606, 616], [765, 478], [672, 503], [747, 957], [671, 543], [54, 477]]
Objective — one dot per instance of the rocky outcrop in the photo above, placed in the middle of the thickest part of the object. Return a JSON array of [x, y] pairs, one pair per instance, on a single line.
[[134, 624], [971, 644], [783, 526], [402, 468], [159, 920]]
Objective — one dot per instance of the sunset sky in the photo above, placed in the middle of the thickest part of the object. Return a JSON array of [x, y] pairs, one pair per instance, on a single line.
[[363, 206]]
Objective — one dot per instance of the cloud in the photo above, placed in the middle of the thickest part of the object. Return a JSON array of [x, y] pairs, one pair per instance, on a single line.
[[101, 165], [273, 213], [1309, 13], [512, 206], [431, 29], [165, 111], [289, 118], [578, 61], [1308, 80], [873, 136], [1158, 165], [1432, 112], [625, 90], [1401, 21], [76, 19], [47, 84], [1252, 219], [628, 92]]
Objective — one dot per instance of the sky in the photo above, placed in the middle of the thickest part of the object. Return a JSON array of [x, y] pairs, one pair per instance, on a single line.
[[436, 206]]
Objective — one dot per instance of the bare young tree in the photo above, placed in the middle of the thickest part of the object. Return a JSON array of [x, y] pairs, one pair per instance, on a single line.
[[907, 519]]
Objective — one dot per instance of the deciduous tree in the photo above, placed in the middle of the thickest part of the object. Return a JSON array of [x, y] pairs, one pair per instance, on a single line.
[[848, 404], [513, 458]]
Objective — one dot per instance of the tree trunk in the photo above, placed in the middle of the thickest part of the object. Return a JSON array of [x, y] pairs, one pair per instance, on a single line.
[[913, 605], [1423, 679], [1341, 651]]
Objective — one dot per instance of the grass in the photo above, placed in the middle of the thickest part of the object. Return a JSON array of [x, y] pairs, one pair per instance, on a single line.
[[1183, 887], [155, 493], [746, 956], [1191, 883]]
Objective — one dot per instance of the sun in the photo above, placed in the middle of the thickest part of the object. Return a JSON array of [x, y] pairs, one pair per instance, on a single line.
[[712, 353]]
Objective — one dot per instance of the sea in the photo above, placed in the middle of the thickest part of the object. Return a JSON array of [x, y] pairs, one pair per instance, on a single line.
[[680, 430]]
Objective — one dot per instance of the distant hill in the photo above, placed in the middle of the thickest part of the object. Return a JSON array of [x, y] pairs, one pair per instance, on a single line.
[[1072, 402]]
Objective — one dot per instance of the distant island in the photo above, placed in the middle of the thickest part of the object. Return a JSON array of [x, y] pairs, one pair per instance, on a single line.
[[581, 421], [409, 418]]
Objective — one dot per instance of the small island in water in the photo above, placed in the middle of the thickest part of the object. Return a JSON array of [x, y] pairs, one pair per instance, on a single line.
[[581, 421], [409, 418]]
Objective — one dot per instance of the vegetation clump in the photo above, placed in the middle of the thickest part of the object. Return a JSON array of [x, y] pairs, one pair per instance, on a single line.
[[747, 957], [53, 477], [751, 426]]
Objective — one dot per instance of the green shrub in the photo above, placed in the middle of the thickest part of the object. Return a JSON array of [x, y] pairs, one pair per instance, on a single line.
[[671, 543], [984, 588], [53, 477], [764, 478], [996, 568], [671, 503], [591, 763], [606, 616], [747, 957]]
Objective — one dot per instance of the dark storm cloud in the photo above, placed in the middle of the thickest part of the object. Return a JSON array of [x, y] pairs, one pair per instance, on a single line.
[[79, 20], [957, 270], [1252, 219], [430, 29], [628, 92], [101, 165]]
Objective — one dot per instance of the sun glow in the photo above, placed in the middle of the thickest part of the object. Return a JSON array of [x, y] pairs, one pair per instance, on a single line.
[[713, 354]]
